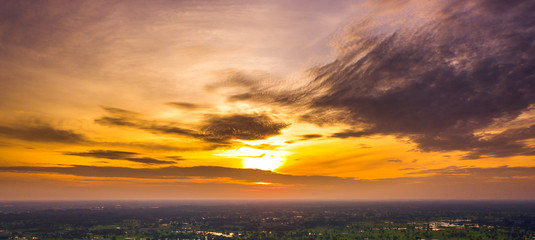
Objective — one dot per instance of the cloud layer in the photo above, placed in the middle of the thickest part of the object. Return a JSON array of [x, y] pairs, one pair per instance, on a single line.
[[119, 155], [444, 183]]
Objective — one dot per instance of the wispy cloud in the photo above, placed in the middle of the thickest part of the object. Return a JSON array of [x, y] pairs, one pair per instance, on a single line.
[[251, 175], [187, 105], [119, 155], [42, 133], [214, 128], [109, 154]]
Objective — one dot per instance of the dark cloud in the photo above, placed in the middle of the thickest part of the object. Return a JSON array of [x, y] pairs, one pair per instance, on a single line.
[[240, 126], [394, 160], [118, 155], [42, 133], [220, 129], [505, 144], [468, 68]]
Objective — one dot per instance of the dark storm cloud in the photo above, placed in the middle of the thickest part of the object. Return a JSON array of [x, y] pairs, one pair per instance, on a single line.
[[468, 68], [221, 129], [118, 155], [42, 133]]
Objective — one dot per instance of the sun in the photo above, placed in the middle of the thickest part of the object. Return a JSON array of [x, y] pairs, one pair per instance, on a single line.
[[258, 158], [266, 162]]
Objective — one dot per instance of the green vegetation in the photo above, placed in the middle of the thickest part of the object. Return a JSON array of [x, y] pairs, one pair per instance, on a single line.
[[322, 221]]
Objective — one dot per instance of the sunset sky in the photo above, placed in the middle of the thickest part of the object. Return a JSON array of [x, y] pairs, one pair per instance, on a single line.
[[274, 99]]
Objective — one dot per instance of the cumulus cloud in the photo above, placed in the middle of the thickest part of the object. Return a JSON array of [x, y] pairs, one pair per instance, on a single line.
[[466, 69]]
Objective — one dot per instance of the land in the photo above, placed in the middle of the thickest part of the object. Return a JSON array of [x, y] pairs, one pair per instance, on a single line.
[[268, 220]]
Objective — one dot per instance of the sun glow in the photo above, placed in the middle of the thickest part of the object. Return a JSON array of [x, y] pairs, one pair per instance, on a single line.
[[257, 158]]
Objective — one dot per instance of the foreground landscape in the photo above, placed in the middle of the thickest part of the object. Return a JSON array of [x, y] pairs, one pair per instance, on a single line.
[[267, 220]]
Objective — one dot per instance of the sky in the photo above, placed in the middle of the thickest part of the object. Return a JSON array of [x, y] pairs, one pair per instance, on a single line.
[[241, 99]]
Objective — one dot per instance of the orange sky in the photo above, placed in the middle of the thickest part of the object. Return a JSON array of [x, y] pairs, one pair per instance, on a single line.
[[344, 100]]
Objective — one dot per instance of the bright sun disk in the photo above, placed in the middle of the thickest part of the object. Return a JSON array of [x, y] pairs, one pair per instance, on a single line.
[[257, 158]]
